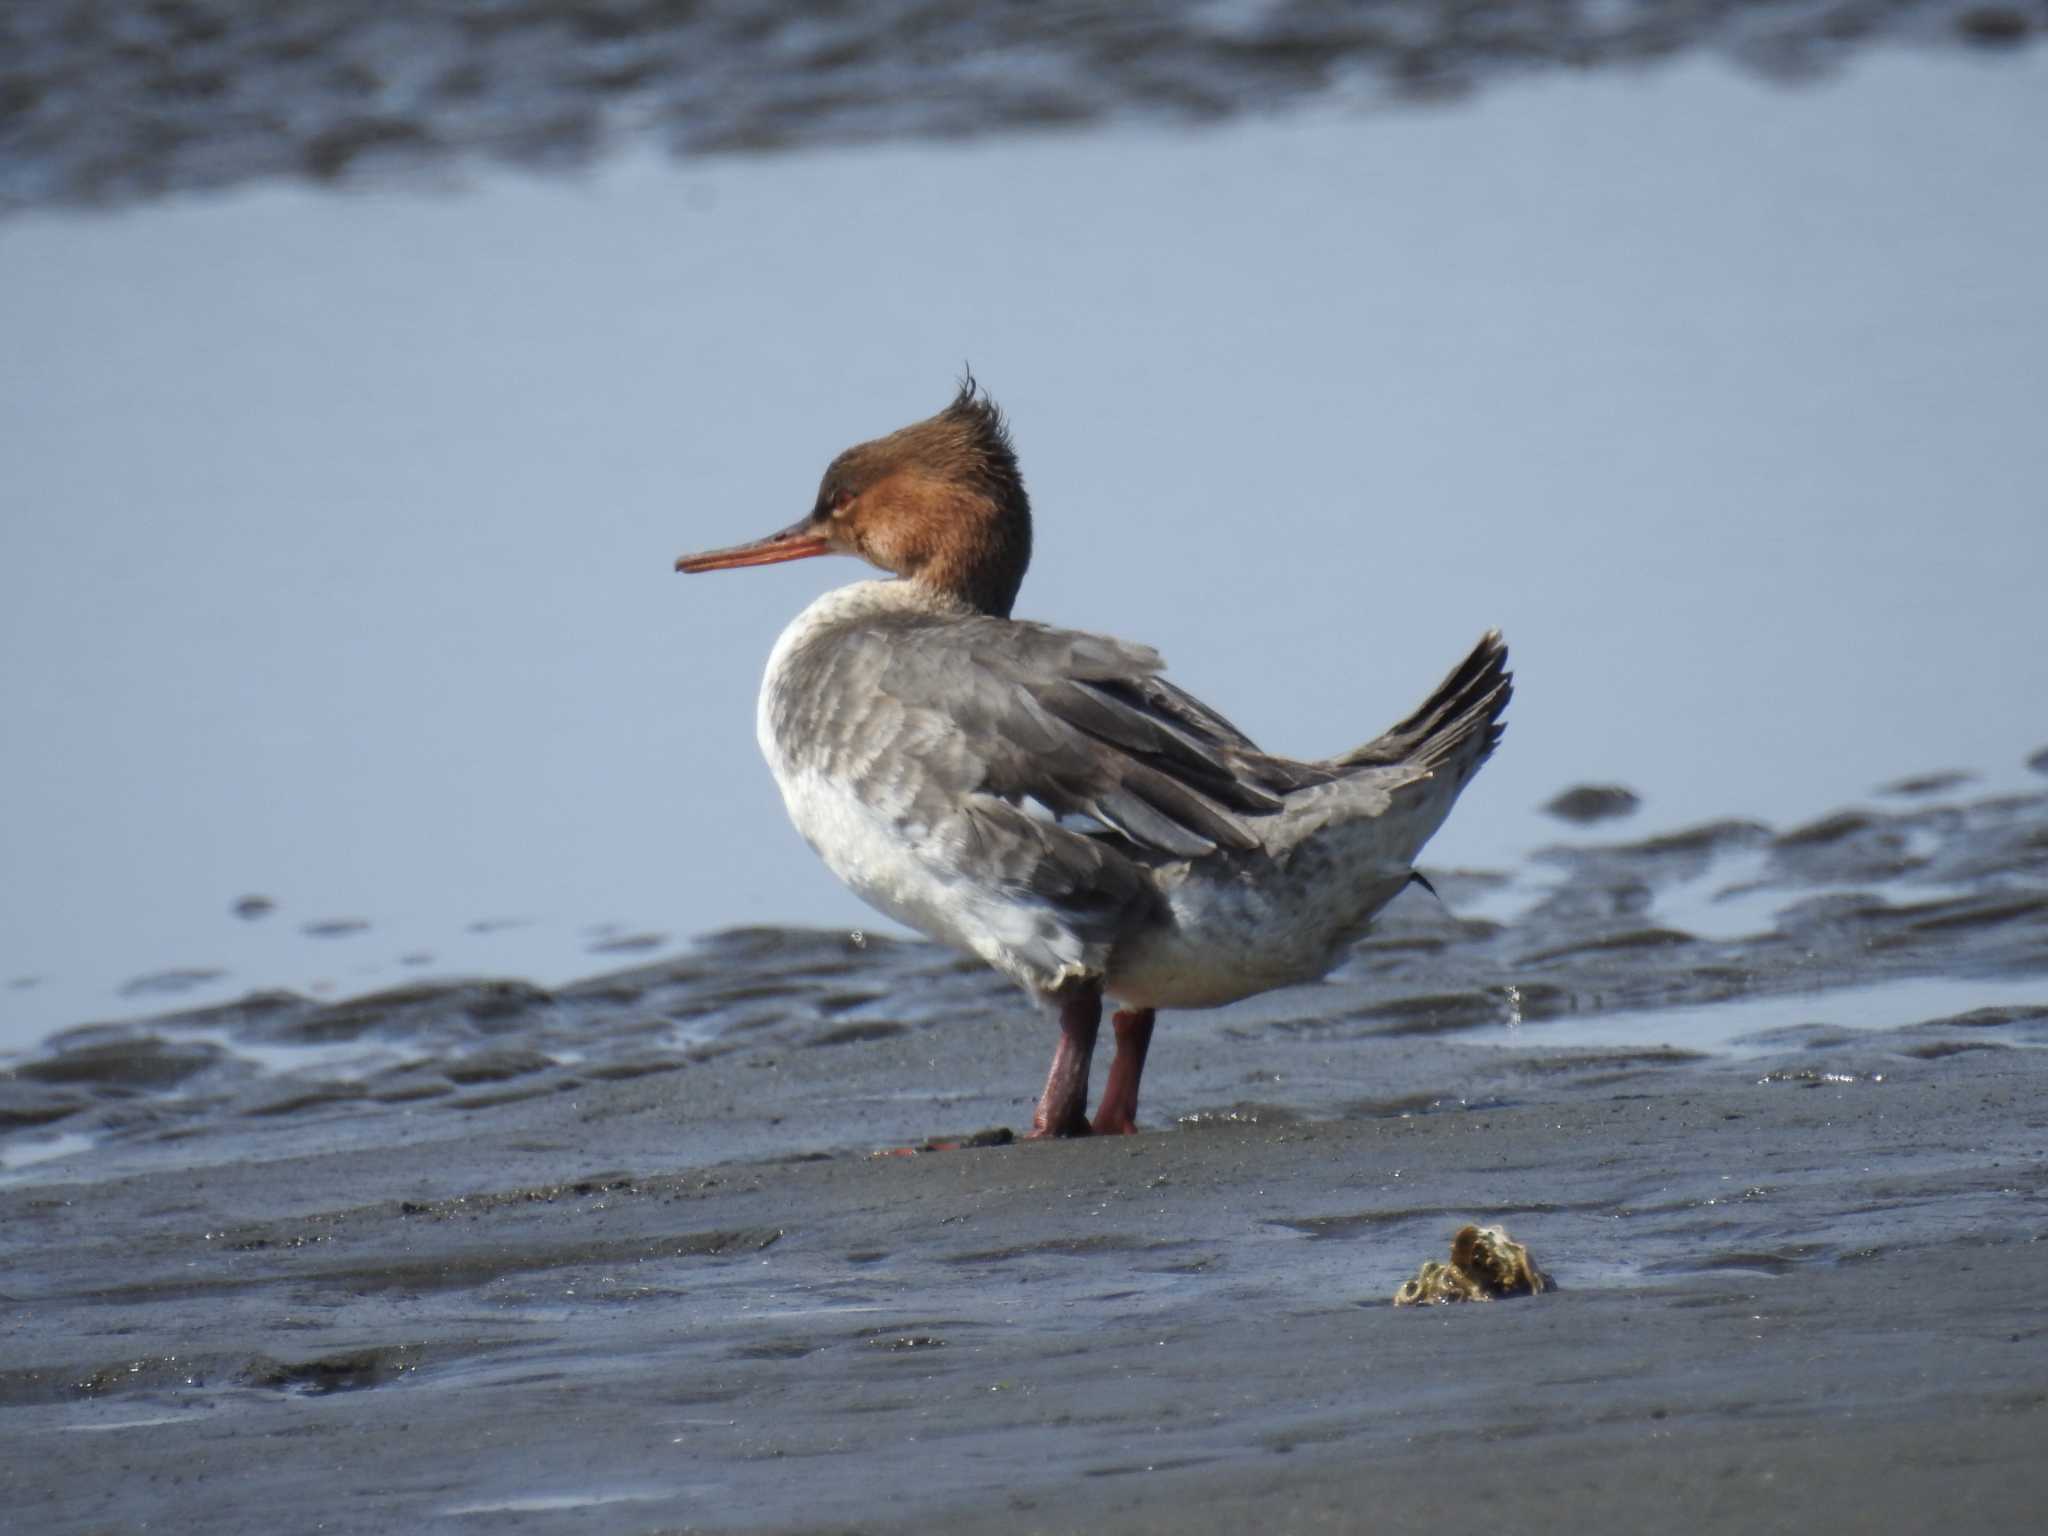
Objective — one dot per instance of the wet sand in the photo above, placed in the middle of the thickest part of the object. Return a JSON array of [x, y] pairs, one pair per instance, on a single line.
[[617, 1257]]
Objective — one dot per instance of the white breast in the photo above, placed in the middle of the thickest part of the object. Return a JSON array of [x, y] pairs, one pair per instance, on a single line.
[[894, 864]]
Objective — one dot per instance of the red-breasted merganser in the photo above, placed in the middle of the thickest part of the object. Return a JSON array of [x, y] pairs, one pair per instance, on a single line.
[[1044, 798]]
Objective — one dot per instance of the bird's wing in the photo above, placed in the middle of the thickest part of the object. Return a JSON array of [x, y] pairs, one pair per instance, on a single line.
[[953, 708]]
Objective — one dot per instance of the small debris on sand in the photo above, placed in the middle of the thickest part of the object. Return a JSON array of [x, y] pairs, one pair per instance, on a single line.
[[1485, 1263]]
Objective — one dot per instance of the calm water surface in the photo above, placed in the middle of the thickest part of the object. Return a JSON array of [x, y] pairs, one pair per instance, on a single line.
[[339, 526]]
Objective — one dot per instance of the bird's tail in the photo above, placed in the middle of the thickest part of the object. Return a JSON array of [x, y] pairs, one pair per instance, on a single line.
[[1457, 727]]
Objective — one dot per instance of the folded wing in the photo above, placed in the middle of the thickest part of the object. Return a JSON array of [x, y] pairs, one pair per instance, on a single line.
[[954, 709]]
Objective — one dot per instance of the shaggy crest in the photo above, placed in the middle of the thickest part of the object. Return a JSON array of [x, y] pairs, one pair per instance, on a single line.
[[955, 472], [983, 423]]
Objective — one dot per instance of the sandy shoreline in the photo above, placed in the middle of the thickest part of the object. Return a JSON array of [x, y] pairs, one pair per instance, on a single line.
[[1780, 1295], [618, 1256]]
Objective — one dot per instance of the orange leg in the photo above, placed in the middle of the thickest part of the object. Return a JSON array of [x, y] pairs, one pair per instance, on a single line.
[[1063, 1108], [1117, 1114]]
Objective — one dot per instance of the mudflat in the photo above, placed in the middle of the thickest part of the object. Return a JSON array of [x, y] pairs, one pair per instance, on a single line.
[[621, 1257]]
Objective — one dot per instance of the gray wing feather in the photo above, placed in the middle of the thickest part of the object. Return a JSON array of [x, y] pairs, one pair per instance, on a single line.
[[937, 711]]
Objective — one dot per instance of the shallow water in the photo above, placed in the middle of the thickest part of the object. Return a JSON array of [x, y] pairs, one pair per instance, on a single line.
[[1924, 927], [340, 527]]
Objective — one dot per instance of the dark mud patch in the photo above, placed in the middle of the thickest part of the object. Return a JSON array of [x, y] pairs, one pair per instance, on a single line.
[[628, 944], [1919, 785], [496, 1065], [335, 927], [1588, 803], [354, 1371], [172, 982], [112, 1061], [130, 99], [1935, 1050]]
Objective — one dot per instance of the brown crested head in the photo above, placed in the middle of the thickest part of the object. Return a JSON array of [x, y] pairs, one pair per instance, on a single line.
[[939, 502]]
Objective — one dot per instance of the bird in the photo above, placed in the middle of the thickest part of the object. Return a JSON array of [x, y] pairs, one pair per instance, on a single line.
[[1043, 798]]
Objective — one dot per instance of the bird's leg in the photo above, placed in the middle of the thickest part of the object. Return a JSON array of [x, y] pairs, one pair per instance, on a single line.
[[1063, 1108], [1117, 1114]]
